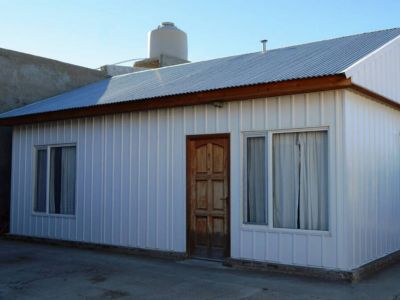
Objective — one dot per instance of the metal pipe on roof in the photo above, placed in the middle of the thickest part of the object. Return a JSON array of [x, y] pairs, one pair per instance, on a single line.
[[264, 45]]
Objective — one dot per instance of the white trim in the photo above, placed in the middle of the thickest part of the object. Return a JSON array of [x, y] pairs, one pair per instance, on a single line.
[[269, 226], [48, 180], [48, 148], [40, 214], [299, 129], [370, 54], [33, 178]]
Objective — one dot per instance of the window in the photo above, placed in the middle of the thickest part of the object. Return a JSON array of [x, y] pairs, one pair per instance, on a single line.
[[55, 180], [255, 195], [300, 180], [41, 167]]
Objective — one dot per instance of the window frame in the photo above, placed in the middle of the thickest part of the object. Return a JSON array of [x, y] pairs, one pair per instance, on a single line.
[[270, 181], [269, 187], [246, 136], [48, 148]]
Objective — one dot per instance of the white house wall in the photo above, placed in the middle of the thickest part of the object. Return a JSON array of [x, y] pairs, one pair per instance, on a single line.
[[131, 185], [372, 183], [380, 71]]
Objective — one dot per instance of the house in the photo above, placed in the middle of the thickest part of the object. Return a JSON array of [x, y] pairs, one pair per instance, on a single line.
[[287, 157], [26, 78]]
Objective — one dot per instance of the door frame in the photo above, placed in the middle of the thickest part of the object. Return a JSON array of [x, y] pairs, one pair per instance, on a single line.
[[190, 138]]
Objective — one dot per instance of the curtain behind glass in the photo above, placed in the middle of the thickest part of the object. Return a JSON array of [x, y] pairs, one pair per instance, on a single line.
[[313, 197], [285, 152], [41, 189], [53, 197], [62, 180], [300, 195], [68, 173], [54, 179], [256, 204]]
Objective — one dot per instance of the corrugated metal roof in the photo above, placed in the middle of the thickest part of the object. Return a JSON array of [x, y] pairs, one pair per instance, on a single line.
[[316, 59]]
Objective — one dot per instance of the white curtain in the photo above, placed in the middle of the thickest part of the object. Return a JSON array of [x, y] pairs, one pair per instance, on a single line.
[[256, 204], [313, 196], [41, 185], [62, 180], [52, 192], [300, 194], [68, 173], [285, 178]]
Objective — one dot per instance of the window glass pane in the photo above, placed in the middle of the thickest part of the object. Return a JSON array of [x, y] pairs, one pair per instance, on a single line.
[[40, 190], [62, 180], [256, 200], [300, 180]]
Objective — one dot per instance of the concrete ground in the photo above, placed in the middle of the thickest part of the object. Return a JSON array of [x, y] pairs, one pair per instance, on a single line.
[[38, 271]]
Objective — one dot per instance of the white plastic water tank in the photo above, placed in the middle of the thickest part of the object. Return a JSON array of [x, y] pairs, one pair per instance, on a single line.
[[169, 40]]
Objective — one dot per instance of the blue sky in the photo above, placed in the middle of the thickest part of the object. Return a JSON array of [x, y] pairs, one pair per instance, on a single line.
[[93, 33]]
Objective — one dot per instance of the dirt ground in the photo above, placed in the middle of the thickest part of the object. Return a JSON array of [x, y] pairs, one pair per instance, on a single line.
[[40, 271]]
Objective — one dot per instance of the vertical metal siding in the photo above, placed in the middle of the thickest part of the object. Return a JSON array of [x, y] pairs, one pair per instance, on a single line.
[[380, 71], [131, 185], [291, 247], [372, 189]]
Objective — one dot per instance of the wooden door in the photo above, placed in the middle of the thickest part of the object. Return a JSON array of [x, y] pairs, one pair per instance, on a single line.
[[208, 196]]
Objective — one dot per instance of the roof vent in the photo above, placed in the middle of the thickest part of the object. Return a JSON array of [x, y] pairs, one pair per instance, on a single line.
[[264, 45]]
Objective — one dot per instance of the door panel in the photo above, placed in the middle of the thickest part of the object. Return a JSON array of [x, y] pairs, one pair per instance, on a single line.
[[201, 159], [208, 196], [218, 195], [218, 159], [201, 194]]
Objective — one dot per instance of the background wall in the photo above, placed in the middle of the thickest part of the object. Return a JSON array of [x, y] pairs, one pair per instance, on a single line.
[[131, 185], [372, 183], [25, 79]]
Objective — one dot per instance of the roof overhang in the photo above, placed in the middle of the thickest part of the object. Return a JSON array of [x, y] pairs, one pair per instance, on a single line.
[[274, 89], [377, 97]]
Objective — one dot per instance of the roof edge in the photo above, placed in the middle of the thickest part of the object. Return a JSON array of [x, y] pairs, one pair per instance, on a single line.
[[366, 57], [377, 97], [274, 89]]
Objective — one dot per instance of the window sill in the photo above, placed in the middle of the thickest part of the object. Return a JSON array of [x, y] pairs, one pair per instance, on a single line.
[[37, 214], [267, 228]]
